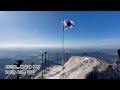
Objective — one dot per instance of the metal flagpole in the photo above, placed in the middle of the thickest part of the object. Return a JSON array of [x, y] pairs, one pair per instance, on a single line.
[[63, 43]]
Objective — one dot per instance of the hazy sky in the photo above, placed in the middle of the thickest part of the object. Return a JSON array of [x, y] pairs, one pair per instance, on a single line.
[[44, 29]]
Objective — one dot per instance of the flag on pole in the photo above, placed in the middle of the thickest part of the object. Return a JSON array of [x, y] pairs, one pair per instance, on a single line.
[[68, 24]]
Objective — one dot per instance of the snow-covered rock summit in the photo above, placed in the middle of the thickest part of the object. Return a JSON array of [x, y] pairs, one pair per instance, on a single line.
[[78, 67]]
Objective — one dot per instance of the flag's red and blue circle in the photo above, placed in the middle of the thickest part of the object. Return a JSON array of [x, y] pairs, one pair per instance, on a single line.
[[68, 24]]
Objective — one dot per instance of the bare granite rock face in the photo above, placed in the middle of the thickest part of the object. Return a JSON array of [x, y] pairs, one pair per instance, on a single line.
[[78, 67]]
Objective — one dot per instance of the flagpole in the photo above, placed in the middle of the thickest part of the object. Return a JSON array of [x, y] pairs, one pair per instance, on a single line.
[[63, 43]]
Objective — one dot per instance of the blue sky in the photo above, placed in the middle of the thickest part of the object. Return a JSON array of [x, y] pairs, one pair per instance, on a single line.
[[93, 29]]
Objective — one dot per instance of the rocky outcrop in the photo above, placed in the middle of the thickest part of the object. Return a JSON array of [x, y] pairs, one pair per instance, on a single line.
[[81, 68]]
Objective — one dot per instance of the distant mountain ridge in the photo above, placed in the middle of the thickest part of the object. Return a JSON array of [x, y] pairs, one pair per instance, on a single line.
[[100, 55], [103, 56]]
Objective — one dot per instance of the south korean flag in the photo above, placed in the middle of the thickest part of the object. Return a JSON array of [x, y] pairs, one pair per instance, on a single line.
[[68, 24]]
